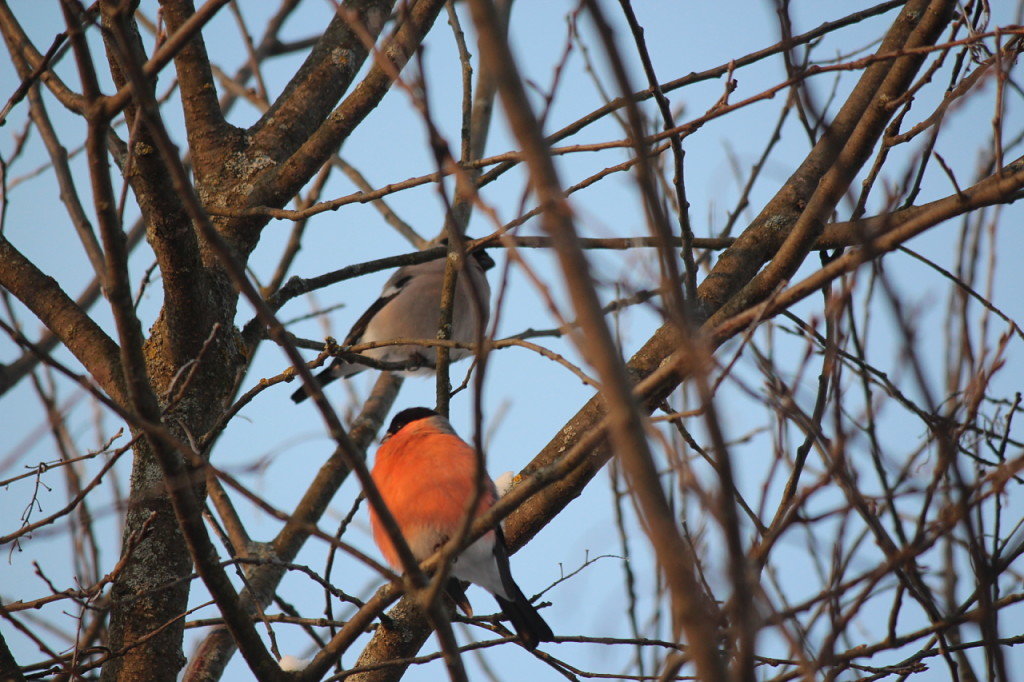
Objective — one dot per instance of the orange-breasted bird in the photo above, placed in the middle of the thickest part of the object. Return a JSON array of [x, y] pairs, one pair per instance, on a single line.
[[427, 477]]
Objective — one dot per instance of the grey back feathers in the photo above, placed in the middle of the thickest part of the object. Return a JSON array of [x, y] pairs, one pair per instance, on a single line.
[[409, 307]]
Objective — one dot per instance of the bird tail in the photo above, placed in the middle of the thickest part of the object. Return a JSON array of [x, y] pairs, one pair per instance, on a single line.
[[333, 371], [531, 628], [457, 591]]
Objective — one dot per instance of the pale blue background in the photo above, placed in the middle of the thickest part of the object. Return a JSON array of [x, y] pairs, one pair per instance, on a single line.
[[276, 447]]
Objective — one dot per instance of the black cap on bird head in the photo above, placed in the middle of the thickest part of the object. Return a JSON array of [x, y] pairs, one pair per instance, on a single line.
[[408, 416], [481, 256], [484, 259]]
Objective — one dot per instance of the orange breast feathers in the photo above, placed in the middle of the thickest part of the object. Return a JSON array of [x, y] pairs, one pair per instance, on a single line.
[[428, 480]]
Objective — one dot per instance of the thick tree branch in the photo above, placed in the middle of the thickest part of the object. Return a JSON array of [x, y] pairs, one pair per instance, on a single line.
[[168, 227], [187, 508], [535, 511], [708, 74], [167, 50], [14, 372], [133, 619], [787, 226], [314, 152], [217, 648], [999, 187], [208, 132], [76, 330], [193, 529], [321, 80], [18, 43], [690, 612], [898, 506]]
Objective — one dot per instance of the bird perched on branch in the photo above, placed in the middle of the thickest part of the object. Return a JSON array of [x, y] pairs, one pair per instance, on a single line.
[[409, 307], [427, 476]]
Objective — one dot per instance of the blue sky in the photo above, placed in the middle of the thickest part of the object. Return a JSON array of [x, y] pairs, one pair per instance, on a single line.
[[526, 397]]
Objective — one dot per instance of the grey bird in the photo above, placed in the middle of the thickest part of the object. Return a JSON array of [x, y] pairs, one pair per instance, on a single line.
[[409, 307]]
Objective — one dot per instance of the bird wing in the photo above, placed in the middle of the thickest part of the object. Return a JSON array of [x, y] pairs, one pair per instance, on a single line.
[[392, 288]]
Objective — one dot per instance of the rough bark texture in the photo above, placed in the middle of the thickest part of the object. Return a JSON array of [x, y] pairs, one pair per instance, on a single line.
[[150, 593], [174, 383]]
